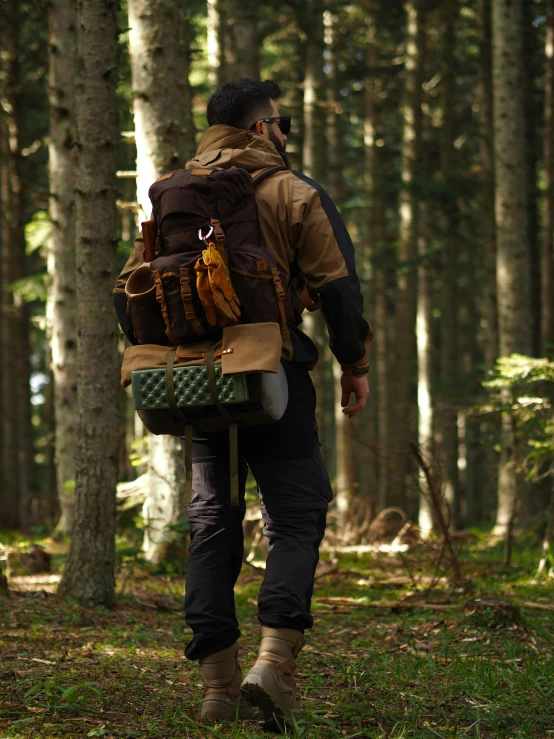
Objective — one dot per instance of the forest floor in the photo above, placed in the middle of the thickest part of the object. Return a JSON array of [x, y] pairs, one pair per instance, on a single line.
[[387, 657]]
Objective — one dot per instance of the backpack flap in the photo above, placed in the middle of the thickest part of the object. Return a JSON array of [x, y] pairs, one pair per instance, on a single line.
[[251, 347]]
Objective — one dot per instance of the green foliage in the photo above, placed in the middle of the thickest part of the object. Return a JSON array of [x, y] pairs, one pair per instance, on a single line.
[[54, 697], [524, 388]]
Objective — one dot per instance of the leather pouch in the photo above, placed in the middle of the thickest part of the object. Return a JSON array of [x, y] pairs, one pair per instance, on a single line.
[[251, 347]]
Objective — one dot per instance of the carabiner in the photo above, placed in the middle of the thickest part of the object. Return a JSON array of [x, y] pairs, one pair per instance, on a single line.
[[207, 236]]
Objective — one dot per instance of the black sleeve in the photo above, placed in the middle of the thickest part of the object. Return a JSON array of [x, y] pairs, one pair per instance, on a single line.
[[341, 299], [341, 306], [120, 302]]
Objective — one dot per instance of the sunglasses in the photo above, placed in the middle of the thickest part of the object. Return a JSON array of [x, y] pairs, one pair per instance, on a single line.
[[283, 121]]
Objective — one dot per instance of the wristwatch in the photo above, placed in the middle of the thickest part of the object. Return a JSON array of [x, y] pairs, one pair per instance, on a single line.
[[359, 371]]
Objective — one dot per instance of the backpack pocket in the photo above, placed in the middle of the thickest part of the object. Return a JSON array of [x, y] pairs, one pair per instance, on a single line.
[[260, 286], [177, 295], [148, 323]]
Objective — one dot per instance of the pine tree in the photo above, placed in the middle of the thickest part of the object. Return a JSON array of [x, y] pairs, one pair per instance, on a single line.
[[159, 42], [89, 573], [513, 272], [61, 307]]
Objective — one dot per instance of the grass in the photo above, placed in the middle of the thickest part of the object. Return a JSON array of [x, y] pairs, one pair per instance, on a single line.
[[396, 670]]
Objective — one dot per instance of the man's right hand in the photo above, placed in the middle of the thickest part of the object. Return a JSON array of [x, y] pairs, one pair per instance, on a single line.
[[357, 386]]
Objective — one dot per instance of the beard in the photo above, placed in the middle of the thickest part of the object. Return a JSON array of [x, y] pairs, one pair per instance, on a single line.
[[280, 148]]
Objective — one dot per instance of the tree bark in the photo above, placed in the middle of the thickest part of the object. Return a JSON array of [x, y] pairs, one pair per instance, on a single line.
[[61, 309], [486, 140], [547, 256], [233, 40], [89, 573], [159, 45], [406, 299], [18, 508], [164, 134], [425, 352], [379, 402], [511, 221], [313, 148], [450, 348], [345, 460]]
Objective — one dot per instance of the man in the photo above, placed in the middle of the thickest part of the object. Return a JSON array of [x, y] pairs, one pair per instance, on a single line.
[[299, 222]]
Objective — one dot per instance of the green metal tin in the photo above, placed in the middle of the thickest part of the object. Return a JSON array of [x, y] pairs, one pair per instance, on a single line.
[[191, 388]]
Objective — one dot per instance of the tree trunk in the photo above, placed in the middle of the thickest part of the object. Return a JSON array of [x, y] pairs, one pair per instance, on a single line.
[[164, 134], [425, 351], [233, 40], [532, 69], [313, 151], [379, 401], [406, 299], [547, 257], [450, 304], [345, 486], [61, 309], [164, 508], [89, 573], [511, 221], [345, 460], [19, 495], [159, 45]]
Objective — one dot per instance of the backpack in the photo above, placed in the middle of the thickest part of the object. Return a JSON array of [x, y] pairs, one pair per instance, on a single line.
[[192, 208], [206, 273]]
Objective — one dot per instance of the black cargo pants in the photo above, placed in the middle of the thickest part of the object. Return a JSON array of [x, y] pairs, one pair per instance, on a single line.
[[294, 491]]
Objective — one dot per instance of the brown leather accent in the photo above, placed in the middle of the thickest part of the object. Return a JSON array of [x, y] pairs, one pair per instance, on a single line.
[[128, 306], [165, 177], [171, 274], [281, 295], [218, 231], [261, 265], [149, 238], [186, 295], [251, 347], [160, 297], [219, 239], [202, 172]]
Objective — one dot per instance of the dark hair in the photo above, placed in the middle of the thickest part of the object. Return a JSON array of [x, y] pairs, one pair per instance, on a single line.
[[238, 103]]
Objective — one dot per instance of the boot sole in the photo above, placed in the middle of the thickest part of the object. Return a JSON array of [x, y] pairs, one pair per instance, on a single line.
[[257, 695]]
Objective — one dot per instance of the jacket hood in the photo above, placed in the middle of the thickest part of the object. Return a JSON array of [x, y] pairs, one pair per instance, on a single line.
[[224, 146]]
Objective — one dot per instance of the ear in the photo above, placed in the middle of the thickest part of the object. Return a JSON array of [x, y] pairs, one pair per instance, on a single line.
[[260, 128]]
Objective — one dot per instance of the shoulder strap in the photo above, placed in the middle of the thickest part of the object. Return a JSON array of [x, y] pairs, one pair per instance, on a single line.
[[260, 175]]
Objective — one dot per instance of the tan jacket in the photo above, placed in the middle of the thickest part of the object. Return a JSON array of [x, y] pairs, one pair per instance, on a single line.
[[299, 222]]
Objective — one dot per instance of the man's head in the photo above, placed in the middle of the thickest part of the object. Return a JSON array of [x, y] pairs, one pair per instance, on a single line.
[[245, 103]]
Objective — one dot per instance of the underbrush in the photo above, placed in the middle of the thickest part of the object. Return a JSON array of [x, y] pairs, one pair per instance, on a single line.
[[388, 656]]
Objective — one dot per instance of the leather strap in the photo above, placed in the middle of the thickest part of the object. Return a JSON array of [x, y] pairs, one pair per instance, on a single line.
[[233, 430], [186, 295], [212, 383], [280, 292], [177, 416], [219, 236], [160, 297], [170, 385]]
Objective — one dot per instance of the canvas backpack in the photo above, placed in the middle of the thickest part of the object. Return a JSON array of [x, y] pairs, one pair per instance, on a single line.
[[190, 209], [196, 212]]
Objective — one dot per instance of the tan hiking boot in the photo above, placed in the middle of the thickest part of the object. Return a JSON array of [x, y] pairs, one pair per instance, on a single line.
[[222, 678], [270, 683]]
